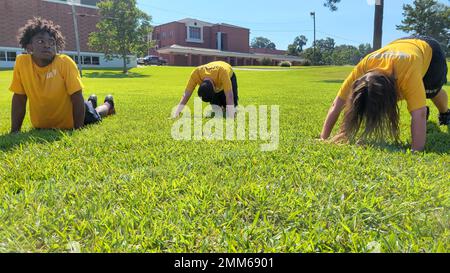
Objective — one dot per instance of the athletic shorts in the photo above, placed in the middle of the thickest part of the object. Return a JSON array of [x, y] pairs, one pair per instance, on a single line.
[[436, 76], [91, 116]]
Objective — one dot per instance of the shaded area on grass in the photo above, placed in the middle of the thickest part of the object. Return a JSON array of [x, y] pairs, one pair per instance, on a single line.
[[114, 74], [437, 140], [10, 141], [332, 81]]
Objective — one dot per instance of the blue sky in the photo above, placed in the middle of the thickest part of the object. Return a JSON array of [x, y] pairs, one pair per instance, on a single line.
[[281, 21]]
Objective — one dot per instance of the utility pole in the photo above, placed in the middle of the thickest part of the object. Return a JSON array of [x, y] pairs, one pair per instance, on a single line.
[[77, 38], [378, 25], [313, 14]]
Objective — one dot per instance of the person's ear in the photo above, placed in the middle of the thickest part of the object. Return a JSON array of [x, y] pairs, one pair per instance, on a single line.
[[29, 49]]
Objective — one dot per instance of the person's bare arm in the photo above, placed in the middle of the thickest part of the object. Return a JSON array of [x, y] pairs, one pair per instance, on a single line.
[[18, 110], [78, 109], [230, 104], [332, 117], [418, 129], [184, 100]]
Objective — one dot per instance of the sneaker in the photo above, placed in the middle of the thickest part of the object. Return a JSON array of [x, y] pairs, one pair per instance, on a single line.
[[109, 99], [93, 100], [444, 118]]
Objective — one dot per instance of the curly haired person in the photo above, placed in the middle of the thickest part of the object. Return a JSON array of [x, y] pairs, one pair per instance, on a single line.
[[51, 82]]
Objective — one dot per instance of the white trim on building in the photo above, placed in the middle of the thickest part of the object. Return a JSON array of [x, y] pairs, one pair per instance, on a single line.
[[75, 2], [176, 49], [90, 59]]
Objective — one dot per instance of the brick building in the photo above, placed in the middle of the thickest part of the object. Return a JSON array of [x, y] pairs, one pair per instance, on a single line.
[[191, 42], [15, 13]]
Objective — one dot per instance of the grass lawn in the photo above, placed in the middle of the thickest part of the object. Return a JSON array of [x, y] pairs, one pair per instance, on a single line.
[[126, 186]]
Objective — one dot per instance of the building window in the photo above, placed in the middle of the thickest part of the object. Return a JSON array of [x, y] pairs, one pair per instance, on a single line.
[[11, 56], [2, 56], [163, 35], [96, 60], [195, 33], [86, 59], [74, 58]]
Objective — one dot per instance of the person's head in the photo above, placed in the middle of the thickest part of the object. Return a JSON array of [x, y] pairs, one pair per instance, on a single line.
[[206, 90], [41, 38], [373, 103]]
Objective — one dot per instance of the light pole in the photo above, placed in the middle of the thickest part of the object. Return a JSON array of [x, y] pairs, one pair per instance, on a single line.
[[313, 14], [77, 38], [378, 25]]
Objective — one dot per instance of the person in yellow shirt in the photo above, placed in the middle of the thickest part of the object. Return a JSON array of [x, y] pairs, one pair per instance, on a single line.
[[217, 85], [51, 82], [411, 69]]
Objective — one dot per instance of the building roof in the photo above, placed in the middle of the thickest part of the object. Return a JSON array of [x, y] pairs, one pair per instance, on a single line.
[[177, 49], [187, 20]]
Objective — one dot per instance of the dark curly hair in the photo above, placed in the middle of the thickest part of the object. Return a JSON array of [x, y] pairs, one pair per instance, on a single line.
[[38, 25]]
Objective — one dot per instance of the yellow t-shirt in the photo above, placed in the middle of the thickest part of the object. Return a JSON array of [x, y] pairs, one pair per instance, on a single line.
[[406, 60], [220, 73], [48, 90]]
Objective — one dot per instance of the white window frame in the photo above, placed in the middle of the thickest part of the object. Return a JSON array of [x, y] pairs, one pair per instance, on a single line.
[[193, 40]]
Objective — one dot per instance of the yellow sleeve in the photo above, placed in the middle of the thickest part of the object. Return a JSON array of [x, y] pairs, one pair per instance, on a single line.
[[194, 80], [72, 77], [16, 84], [226, 81], [413, 91], [346, 87]]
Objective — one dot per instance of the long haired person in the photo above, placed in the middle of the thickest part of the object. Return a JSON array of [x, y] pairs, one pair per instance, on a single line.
[[412, 69]]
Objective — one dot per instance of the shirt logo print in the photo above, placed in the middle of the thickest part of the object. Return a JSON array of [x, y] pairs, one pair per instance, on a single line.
[[51, 74]]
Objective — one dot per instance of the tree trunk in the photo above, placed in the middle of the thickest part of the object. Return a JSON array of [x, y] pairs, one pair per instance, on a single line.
[[378, 28], [125, 70]]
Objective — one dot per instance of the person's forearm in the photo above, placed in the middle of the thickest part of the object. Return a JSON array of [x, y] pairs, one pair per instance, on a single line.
[[230, 104], [184, 100], [78, 110], [18, 110], [418, 130], [332, 117]]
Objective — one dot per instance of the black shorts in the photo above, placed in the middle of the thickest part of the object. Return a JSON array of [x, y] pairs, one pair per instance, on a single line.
[[219, 98], [91, 116], [436, 76]]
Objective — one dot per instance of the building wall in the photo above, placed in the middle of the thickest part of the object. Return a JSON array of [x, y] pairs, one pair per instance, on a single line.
[[15, 13], [237, 39]]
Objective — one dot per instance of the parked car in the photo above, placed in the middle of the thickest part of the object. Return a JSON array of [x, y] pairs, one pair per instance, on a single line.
[[151, 60]]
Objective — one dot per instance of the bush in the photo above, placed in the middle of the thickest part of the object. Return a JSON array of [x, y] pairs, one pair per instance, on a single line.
[[285, 64], [266, 62], [305, 63]]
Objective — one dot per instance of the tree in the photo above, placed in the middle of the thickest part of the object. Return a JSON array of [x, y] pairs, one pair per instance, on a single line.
[[261, 42], [345, 55], [427, 17], [378, 24], [331, 4], [122, 30], [323, 52], [297, 46], [364, 49]]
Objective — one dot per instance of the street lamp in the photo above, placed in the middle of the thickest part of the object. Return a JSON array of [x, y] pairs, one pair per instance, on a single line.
[[77, 38], [313, 14]]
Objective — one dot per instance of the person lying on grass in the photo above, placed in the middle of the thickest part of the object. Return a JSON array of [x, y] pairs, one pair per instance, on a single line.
[[410, 69], [217, 85], [51, 82]]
